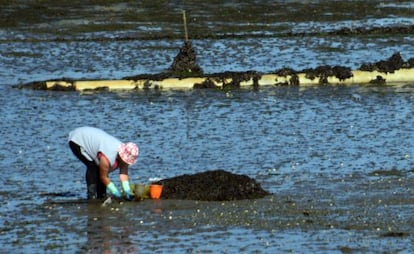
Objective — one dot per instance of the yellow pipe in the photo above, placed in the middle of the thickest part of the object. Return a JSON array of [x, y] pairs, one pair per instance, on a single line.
[[176, 82], [110, 84], [51, 84], [359, 77]]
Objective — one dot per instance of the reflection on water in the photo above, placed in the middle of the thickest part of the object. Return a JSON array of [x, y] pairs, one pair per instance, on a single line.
[[106, 233]]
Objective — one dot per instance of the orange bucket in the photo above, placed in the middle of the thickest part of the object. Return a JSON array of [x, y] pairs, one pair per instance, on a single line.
[[155, 191]]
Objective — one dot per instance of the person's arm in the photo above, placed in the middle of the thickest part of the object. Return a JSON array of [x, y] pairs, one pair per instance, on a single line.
[[123, 172], [124, 178], [104, 168]]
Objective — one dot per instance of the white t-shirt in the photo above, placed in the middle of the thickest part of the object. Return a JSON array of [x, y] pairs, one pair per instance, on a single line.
[[93, 140]]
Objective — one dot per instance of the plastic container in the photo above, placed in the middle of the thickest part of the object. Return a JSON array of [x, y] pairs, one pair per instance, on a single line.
[[155, 191], [140, 190]]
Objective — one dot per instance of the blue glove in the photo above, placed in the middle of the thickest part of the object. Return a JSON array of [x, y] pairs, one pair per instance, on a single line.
[[127, 190], [113, 190]]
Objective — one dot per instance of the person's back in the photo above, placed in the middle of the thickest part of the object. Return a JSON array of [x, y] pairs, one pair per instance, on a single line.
[[93, 140]]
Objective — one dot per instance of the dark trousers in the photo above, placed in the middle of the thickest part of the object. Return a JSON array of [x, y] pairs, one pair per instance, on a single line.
[[95, 187]]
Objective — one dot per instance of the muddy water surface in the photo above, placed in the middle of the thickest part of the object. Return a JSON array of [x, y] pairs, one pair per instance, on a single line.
[[338, 160]]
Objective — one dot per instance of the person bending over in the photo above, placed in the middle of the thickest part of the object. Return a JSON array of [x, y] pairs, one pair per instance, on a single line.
[[103, 154]]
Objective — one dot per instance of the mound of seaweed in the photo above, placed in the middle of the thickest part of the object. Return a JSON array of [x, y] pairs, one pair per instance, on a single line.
[[394, 63], [185, 63], [215, 185]]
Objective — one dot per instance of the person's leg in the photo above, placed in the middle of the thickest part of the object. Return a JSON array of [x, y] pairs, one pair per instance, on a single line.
[[92, 172], [101, 189], [92, 179]]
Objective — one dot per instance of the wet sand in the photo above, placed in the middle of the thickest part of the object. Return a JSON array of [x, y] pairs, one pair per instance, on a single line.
[[343, 215]]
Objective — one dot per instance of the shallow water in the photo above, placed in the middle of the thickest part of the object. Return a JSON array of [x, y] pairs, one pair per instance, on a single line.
[[338, 160], [339, 168]]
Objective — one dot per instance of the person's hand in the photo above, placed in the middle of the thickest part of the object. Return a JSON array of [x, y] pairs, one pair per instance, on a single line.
[[113, 190], [127, 189]]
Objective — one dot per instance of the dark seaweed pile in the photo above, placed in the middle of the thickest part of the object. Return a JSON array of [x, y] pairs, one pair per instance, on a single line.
[[230, 79], [325, 71], [216, 185], [395, 62], [185, 63]]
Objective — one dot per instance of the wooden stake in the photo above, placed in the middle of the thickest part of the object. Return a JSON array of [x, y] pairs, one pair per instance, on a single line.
[[185, 27]]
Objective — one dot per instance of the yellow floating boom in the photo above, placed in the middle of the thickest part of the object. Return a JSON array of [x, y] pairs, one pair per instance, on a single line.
[[301, 79]]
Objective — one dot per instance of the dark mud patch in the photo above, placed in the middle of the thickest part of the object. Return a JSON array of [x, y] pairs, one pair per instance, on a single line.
[[35, 85], [41, 85], [395, 234], [202, 34], [387, 172], [353, 31], [57, 194], [216, 185], [376, 30]]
